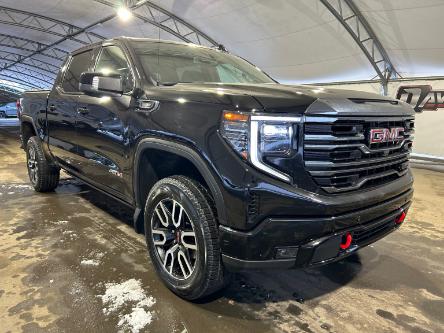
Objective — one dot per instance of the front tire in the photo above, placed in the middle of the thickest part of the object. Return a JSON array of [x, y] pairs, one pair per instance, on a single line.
[[182, 237], [43, 176]]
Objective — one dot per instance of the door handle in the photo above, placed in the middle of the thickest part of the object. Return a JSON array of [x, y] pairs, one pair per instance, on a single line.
[[83, 110]]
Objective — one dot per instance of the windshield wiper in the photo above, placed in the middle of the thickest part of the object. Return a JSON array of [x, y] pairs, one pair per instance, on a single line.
[[172, 83]]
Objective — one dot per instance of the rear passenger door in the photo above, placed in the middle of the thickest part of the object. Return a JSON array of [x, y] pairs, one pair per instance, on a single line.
[[102, 128], [62, 110]]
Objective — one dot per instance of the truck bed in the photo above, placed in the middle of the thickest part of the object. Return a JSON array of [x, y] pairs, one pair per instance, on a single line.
[[34, 101]]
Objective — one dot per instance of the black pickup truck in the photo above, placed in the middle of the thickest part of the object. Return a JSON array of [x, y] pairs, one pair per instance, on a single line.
[[225, 168]]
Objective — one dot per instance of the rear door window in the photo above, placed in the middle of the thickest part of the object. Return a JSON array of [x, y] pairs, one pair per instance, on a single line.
[[79, 63]]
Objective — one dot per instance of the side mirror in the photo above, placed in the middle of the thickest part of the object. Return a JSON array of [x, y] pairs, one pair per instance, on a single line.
[[98, 84]]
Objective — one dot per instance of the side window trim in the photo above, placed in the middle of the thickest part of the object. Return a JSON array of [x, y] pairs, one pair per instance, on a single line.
[[60, 76], [65, 70], [127, 62]]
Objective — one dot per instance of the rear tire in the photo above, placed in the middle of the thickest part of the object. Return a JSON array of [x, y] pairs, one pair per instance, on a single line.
[[189, 265], [43, 176], [2, 114]]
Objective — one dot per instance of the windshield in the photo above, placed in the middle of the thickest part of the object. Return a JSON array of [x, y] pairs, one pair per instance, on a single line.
[[170, 63]]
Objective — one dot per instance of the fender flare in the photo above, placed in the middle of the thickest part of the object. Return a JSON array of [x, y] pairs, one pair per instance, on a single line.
[[191, 155], [24, 118]]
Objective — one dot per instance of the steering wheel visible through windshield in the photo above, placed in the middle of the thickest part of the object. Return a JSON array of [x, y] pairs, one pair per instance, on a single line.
[[170, 63]]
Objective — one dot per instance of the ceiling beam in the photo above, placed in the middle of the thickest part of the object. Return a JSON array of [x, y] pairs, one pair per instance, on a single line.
[[32, 46], [29, 76], [156, 16], [50, 47], [159, 17], [50, 69], [7, 96], [7, 93], [41, 23], [351, 18], [24, 84], [5, 87]]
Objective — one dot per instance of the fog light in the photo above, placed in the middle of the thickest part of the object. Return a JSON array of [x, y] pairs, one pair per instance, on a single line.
[[286, 252], [346, 241], [400, 218]]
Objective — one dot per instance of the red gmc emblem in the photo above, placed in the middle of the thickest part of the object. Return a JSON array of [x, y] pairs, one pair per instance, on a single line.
[[378, 135]]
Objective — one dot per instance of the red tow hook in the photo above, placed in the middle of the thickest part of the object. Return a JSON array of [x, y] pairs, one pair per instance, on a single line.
[[400, 218], [346, 241]]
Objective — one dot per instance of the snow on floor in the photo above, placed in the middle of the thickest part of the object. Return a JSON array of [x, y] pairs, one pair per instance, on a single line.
[[15, 186], [90, 262], [61, 222], [70, 234], [128, 294], [92, 259], [136, 320]]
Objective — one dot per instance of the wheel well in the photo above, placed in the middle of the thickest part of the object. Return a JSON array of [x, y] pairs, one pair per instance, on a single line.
[[27, 131], [156, 164]]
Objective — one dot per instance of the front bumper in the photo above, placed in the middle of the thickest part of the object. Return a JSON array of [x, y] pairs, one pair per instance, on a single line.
[[315, 241]]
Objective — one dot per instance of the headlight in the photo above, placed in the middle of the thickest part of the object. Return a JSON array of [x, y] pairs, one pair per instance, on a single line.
[[276, 139], [255, 137]]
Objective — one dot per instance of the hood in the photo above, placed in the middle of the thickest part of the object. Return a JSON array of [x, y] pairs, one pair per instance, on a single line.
[[298, 99]]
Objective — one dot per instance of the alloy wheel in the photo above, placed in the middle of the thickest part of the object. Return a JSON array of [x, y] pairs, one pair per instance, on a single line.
[[174, 238], [32, 164]]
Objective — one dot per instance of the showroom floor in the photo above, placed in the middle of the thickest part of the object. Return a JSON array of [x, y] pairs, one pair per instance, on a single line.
[[70, 262]]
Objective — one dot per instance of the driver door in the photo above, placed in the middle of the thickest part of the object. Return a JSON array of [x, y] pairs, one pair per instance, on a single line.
[[102, 128]]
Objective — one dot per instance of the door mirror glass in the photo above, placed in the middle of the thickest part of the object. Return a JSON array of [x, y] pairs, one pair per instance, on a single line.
[[98, 84]]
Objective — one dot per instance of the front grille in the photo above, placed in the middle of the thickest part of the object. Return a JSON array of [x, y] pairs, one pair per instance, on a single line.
[[339, 156]]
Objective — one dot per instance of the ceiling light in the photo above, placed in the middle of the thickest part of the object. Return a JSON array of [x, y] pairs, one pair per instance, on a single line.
[[105, 71], [124, 13]]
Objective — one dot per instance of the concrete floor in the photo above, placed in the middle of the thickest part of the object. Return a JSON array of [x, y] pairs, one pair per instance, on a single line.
[[70, 262]]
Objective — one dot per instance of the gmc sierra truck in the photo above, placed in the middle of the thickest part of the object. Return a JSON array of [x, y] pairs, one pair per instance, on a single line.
[[225, 168]]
